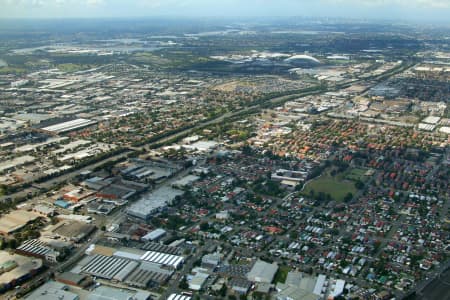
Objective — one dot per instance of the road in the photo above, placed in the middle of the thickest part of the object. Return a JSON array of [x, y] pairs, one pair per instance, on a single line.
[[222, 118], [274, 101], [229, 115], [78, 253], [173, 285], [437, 287]]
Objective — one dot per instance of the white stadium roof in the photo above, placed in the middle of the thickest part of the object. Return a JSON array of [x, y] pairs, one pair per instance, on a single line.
[[303, 57]]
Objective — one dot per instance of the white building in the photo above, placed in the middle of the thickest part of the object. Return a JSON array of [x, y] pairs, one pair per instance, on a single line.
[[197, 281], [154, 235], [262, 272]]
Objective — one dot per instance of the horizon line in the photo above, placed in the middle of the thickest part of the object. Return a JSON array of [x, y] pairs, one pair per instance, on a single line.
[[248, 17]]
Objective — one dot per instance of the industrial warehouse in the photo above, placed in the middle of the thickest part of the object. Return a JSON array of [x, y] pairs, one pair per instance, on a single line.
[[17, 269], [227, 158], [149, 204], [136, 268], [173, 261], [178, 297], [68, 126]]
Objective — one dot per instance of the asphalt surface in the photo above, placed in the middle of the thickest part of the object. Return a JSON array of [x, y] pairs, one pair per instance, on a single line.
[[274, 101], [438, 289]]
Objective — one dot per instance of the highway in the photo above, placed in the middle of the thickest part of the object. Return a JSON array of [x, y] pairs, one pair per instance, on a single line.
[[227, 116], [436, 287], [273, 102], [119, 214]]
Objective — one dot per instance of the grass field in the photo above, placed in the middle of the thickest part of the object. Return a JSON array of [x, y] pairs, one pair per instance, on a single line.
[[69, 67], [355, 174], [281, 274], [12, 70], [338, 188]]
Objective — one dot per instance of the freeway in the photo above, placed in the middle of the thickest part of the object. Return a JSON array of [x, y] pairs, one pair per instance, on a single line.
[[227, 116], [220, 119], [277, 100], [436, 287]]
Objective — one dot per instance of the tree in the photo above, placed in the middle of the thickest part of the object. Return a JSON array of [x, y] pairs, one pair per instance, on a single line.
[[247, 150], [65, 252], [183, 284], [223, 291], [321, 196], [34, 234], [293, 235], [348, 197], [12, 243], [174, 222], [359, 184], [204, 226], [258, 200]]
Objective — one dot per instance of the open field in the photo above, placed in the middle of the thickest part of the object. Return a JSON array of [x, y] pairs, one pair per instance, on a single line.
[[335, 186], [355, 174], [281, 274]]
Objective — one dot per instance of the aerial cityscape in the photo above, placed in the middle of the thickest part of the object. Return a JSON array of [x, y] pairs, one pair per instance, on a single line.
[[172, 150]]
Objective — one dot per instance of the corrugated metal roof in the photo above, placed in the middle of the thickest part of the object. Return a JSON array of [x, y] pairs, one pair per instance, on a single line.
[[105, 266], [126, 271], [162, 258]]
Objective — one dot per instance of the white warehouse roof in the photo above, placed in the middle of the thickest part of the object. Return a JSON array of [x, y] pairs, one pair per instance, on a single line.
[[178, 297], [149, 203], [445, 129], [431, 120], [262, 272], [154, 235], [163, 259], [69, 125]]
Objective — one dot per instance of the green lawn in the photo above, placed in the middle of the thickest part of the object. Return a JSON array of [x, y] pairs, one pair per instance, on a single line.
[[12, 70], [356, 174], [336, 187], [69, 67], [281, 274]]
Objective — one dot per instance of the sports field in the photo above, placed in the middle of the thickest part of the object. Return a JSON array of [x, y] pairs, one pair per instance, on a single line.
[[337, 186]]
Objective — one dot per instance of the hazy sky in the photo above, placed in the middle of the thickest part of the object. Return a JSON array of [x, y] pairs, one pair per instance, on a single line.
[[437, 10]]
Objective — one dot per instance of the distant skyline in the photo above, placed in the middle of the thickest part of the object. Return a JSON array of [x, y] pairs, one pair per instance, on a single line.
[[405, 10]]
